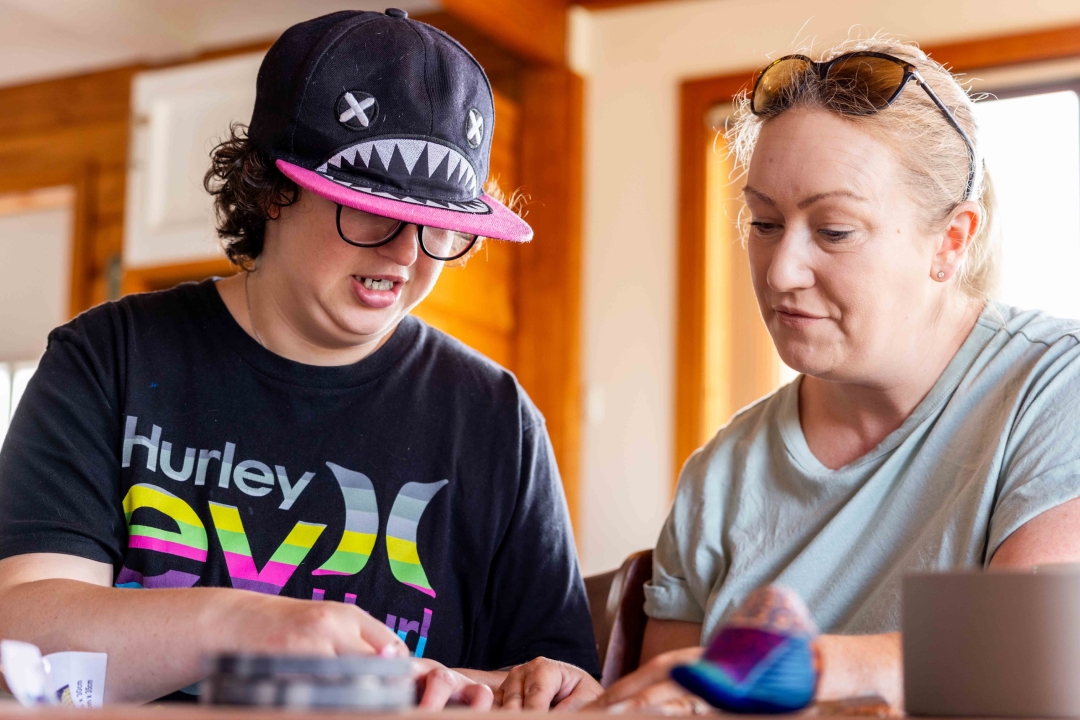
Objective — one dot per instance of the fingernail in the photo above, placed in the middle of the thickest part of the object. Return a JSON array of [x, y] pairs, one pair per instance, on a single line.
[[618, 708], [390, 651]]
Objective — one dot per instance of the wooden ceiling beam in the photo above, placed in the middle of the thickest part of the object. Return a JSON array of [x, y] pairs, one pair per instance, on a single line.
[[534, 29], [608, 4]]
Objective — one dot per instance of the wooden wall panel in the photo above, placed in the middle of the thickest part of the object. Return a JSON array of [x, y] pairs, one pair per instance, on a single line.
[[477, 303], [533, 29], [68, 102], [549, 277], [81, 141]]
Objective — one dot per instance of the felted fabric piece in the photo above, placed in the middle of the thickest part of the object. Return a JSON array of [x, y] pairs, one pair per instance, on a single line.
[[762, 660]]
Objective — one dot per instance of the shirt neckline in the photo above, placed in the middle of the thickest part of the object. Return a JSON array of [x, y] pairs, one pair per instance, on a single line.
[[791, 427], [404, 337]]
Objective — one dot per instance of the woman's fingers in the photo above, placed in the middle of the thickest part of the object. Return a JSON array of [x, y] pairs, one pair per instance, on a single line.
[[437, 687], [687, 705], [532, 686], [538, 684], [632, 684], [477, 696], [367, 636], [657, 670], [667, 696], [440, 685], [587, 691], [512, 691]]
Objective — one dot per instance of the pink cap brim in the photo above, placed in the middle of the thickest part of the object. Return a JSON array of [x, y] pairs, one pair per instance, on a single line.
[[500, 224]]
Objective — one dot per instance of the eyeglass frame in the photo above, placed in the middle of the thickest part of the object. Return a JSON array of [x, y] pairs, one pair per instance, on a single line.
[[402, 224], [910, 71]]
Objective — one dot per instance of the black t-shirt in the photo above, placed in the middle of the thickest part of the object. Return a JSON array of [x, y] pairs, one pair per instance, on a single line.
[[418, 483]]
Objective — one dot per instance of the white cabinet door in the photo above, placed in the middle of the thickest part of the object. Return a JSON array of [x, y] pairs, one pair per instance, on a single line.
[[180, 114]]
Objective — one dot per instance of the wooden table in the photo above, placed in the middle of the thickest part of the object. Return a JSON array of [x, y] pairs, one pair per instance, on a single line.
[[10, 710], [181, 711]]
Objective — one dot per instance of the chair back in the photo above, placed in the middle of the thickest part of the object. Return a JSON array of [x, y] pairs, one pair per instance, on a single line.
[[617, 604]]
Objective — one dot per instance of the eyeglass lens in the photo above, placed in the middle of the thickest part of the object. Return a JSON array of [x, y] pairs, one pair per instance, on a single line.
[[365, 229], [369, 230]]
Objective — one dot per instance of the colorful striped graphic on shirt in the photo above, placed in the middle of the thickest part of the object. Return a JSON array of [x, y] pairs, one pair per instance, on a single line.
[[188, 541], [128, 578], [412, 500], [281, 565], [361, 524]]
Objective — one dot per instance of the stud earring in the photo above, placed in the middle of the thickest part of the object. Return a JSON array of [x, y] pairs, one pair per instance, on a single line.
[[940, 274]]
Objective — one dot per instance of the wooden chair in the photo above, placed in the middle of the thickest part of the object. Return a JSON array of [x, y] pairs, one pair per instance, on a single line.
[[617, 604]]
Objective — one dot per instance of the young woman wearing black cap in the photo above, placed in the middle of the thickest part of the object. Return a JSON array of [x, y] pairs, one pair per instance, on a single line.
[[292, 432]]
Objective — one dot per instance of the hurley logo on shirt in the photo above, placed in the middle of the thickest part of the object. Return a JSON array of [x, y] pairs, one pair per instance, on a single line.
[[256, 479]]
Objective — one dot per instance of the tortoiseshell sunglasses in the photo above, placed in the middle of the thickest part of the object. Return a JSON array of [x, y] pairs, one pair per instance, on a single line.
[[861, 83]]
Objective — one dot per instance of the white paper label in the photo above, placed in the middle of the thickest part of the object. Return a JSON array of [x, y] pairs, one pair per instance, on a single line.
[[77, 678], [63, 678]]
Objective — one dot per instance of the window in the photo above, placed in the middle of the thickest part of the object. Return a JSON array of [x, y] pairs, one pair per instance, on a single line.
[[741, 363], [1031, 140], [13, 380], [35, 278]]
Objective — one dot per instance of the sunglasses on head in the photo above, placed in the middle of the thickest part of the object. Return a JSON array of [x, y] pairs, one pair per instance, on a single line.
[[858, 83]]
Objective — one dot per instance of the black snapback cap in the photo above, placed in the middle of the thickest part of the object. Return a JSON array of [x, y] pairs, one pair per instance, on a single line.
[[385, 114]]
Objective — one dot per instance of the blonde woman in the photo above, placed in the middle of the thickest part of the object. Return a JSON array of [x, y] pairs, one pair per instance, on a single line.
[[932, 428]]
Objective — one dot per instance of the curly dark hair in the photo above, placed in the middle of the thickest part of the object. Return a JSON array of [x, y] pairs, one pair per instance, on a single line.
[[247, 187]]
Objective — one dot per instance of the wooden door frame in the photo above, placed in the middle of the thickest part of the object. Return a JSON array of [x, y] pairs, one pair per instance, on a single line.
[[696, 97]]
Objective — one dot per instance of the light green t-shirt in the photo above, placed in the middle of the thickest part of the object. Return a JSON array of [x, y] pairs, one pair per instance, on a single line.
[[995, 443]]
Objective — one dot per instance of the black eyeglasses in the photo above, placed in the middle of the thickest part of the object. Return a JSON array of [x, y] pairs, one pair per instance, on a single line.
[[860, 83], [366, 230]]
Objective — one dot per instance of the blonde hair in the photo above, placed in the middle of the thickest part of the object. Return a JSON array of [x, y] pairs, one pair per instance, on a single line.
[[933, 156]]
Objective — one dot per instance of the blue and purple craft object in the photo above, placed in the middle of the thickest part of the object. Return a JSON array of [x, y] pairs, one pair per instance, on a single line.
[[762, 660]]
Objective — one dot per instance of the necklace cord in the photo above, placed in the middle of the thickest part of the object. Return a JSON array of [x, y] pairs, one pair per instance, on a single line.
[[251, 315]]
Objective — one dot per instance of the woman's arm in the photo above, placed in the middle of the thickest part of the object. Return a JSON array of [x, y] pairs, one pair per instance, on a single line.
[[851, 666], [662, 636], [1050, 537], [156, 639], [667, 643]]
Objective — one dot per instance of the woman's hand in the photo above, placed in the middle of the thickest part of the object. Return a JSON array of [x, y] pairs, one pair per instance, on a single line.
[[651, 687], [854, 666], [438, 686], [272, 624], [541, 684]]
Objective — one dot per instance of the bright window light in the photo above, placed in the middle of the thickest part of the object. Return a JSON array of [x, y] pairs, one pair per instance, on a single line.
[[19, 380], [1032, 149], [5, 399]]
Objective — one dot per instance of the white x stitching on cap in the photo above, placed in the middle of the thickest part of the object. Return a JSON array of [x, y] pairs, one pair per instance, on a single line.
[[356, 109], [475, 131]]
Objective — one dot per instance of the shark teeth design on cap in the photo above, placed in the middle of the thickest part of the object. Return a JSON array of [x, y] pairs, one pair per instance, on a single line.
[[473, 207], [412, 163]]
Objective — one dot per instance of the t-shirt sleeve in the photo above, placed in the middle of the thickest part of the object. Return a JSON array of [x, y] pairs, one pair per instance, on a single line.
[[1041, 466], [59, 471], [686, 564], [537, 596]]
